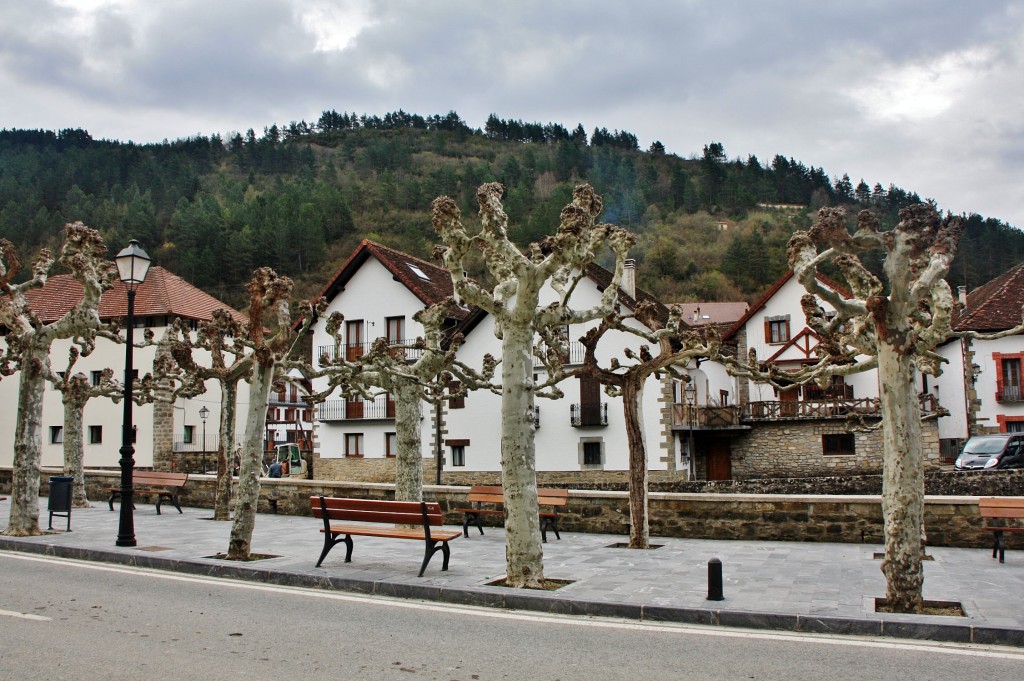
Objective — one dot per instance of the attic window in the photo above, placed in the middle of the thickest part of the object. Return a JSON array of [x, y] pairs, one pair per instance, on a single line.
[[418, 272]]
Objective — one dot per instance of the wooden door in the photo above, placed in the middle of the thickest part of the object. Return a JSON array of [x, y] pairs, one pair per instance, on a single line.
[[719, 460], [354, 339], [789, 400], [590, 402]]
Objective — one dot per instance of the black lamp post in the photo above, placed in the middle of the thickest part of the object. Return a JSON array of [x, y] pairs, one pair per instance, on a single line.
[[203, 413], [132, 266], [691, 407]]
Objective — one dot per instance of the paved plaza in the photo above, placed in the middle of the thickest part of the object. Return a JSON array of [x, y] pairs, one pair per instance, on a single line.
[[813, 587]]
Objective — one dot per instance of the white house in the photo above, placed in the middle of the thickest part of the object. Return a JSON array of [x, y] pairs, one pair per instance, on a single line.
[[802, 432], [378, 290], [167, 436], [981, 381]]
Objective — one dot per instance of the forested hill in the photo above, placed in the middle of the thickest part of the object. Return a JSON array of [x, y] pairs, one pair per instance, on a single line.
[[299, 198]]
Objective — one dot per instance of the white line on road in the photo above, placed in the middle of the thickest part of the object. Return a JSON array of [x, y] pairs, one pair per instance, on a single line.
[[960, 649], [23, 616]]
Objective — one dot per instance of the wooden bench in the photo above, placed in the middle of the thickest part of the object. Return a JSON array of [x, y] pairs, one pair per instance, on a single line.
[[1001, 509], [495, 496], [389, 519], [163, 485]]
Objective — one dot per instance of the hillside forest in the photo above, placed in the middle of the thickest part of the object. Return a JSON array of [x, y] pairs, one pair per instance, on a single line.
[[300, 197]]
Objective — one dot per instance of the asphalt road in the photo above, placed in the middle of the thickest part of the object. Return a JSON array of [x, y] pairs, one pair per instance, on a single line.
[[63, 619]]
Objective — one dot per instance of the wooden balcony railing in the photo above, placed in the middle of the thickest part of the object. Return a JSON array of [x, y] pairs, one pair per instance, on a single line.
[[824, 409], [709, 416]]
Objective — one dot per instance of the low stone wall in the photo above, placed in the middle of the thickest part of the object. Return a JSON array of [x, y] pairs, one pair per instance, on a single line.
[[794, 449], [950, 520]]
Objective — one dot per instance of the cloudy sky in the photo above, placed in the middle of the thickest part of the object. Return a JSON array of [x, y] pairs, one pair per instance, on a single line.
[[927, 95]]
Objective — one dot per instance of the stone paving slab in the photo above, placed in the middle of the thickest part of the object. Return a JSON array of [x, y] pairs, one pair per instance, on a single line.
[[813, 587]]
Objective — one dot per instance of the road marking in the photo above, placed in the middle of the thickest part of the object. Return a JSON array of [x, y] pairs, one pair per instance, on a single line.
[[24, 616], [958, 649]]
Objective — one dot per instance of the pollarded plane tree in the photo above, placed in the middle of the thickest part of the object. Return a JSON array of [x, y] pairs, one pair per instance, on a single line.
[[892, 325], [28, 343], [410, 374], [272, 339], [557, 262], [226, 359], [677, 347]]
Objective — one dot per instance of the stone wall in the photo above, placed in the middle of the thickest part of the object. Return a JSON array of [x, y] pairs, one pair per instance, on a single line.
[[793, 449], [950, 520]]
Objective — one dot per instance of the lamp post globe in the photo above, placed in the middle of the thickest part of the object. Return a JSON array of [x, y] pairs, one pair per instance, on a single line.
[[132, 267]]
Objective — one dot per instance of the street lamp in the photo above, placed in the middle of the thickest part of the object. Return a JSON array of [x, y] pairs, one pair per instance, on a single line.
[[691, 406], [132, 266], [203, 413]]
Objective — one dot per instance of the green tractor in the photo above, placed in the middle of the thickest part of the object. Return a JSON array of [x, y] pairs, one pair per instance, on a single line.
[[290, 458]]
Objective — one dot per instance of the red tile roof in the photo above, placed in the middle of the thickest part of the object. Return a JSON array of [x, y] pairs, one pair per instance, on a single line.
[[433, 286], [161, 294], [995, 306], [698, 314]]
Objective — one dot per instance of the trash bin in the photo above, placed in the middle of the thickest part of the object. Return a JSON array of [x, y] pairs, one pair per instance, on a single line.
[[60, 498]]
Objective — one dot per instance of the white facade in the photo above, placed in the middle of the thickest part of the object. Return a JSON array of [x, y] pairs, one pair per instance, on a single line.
[[777, 330], [102, 418], [370, 301], [560, 445], [371, 293]]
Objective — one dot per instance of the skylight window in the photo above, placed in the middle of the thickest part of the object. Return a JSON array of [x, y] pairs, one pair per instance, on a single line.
[[418, 272]]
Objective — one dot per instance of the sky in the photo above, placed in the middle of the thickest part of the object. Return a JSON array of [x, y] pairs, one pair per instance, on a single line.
[[924, 94]]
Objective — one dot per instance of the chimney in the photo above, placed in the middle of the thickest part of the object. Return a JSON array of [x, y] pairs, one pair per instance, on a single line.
[[961, 293], [628, 285]]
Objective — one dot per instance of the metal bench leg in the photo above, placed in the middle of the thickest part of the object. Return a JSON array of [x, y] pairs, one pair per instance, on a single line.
[[159, 500], [110, 502], [1001, 545], [431, 549], [176, 501], [330, 541]]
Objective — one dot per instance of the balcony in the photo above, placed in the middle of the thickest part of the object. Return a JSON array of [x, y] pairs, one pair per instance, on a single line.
[[834, 408], [355, 410], [583, 415], [574, 354], [1010, 393], [354, 351], [706, 417], [182, 442]]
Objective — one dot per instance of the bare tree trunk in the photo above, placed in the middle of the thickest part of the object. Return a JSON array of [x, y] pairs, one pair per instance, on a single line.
[[73, 456], [524, 553], [225, 449], [240, 542], [632, 404], [28, 446], [409, 465], [902, 480]]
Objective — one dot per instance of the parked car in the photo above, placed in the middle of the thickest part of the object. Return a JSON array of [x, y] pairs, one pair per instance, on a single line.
[[988, 452]]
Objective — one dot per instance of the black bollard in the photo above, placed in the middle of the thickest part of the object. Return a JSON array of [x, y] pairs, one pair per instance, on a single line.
[[715, 580]]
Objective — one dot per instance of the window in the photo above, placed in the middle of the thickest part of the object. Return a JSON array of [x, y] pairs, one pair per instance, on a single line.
[[395, 330], [458, 455], [390, 444], [1011, 379], [95, 435], [354, 339], [354, 444], [56, 435], [190, 435], [776, 329], [591, 453], [838, 444], [456, 402], [418, 272], [96, 377]]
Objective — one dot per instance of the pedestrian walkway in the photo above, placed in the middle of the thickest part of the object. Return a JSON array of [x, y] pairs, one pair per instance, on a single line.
[[811, 587]]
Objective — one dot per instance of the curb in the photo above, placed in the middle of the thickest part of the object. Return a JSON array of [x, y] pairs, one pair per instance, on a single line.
[[546, 601]]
